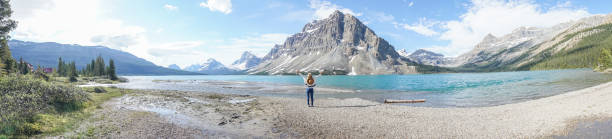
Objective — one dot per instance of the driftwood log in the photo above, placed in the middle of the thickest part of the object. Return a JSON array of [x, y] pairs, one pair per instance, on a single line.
[[405, 101]]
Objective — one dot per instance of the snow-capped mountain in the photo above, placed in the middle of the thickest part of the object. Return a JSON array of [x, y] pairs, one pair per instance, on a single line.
[[174, 66], [211, 66], [341, 44], [425, 57], [403, 53], [247, 61]]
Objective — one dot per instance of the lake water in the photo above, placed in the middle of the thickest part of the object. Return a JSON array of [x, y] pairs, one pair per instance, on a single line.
[[440, 90]]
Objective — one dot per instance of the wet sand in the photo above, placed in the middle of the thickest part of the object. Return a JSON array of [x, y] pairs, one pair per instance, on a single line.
[[202, 114]]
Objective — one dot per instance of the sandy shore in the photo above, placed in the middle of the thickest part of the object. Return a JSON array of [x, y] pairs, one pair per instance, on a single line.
[[198, 114]]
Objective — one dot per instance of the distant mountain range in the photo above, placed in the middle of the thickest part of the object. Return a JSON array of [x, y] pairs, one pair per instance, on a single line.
[[574, 44], [213, 67], [246, 61], [339, 44], [46, 55]]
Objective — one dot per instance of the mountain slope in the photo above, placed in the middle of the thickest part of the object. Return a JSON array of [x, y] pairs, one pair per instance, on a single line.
[[583, 54], [46, 54], [212, 67], [526, 47], [246, 61], [340, 44]]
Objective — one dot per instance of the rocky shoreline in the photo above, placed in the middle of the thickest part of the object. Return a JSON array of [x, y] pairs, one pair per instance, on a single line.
[[178, 114]]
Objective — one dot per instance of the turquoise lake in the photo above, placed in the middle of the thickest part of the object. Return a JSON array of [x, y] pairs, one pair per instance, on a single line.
[[440, 90]]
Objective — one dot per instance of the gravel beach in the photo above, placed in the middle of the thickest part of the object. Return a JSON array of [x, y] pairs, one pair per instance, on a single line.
[[154, 113]]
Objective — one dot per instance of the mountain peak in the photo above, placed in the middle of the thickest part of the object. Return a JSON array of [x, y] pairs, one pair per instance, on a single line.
[[247, 54], [247, 61], [338, 43], [336, 14], [489, 37], [426, 57], [403, 53], [174, 66], [211, 60], [425, 52]]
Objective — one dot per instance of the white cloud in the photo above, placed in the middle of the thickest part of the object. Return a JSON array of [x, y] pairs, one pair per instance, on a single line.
[[80, 22], [325, 8], [73, 22], [423, 27], [259, 44], [319, 9], [382, 17], [500, 17], [225, 51], [410, 4], [84, 23], [170, 7], [223, 6]]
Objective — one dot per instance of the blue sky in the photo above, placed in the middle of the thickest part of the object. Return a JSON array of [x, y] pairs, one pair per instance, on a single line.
[[190, 31]]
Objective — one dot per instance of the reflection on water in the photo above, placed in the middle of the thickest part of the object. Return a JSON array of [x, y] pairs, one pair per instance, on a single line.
[[440, 90]]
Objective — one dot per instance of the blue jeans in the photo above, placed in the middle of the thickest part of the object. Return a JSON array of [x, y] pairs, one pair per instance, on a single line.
[[310, 96]]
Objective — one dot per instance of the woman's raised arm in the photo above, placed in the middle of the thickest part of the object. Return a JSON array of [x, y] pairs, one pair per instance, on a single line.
[[299, 73]]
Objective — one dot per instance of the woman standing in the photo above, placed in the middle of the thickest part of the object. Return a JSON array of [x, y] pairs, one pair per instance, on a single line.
[[309, 81]]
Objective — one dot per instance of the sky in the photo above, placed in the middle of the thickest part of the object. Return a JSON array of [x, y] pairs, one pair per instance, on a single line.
[[186, 32]]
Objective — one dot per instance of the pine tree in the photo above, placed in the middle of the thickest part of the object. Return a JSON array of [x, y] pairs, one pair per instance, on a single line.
[[605, 59], [60, 66], [73, 72], [99, 66], [111, 71], [7, 24], [92, 68], [7, 63], [23, 67], [5, 54], [2, 67]]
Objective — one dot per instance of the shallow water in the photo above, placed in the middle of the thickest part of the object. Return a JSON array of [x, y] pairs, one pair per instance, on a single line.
[[440, 90]]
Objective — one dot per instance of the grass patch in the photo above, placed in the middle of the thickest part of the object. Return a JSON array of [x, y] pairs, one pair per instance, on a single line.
[[34, 108], [215, 96]]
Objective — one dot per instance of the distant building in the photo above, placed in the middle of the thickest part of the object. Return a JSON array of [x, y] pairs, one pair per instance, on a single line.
[[48, 70]]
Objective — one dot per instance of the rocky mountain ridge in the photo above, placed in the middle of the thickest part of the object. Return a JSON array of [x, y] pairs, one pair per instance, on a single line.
[[528, 45], [339, 44]]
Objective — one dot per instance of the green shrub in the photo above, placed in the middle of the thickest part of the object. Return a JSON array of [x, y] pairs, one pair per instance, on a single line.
[[41, 75], [73, 79], [215, 96], [99, 90], [22, 98]]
